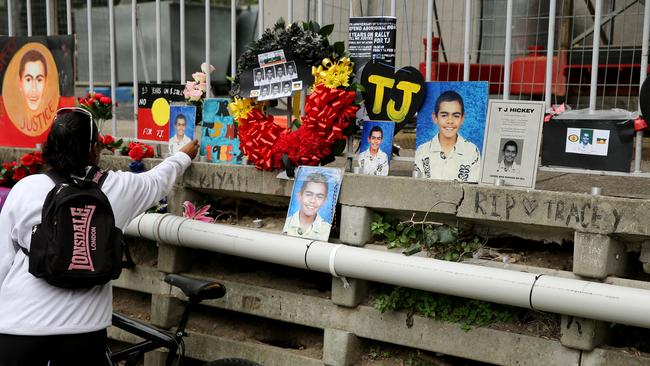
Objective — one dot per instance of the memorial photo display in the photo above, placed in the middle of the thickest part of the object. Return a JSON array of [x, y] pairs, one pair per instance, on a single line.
[[154, 102], [277, 77], [512, 142], [181, 127], [313, 202], [450, 129], [376, 147]]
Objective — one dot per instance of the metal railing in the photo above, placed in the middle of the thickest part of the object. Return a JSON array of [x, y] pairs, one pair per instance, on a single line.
[[474, 36]]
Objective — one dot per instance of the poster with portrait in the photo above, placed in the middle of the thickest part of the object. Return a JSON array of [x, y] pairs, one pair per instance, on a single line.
[[376, 147], [277, 75], [154, 101], [450, 129], [313, 202], [512, 142], [182, 120], [219, 141], [37, 79]]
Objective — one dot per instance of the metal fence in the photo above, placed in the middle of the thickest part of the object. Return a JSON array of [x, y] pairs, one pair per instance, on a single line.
[[531, 50]]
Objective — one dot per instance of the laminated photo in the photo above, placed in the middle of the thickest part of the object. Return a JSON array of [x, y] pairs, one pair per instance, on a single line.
[[376, 147], [181, 127], [313, 202], [450, 129], [512, 142]]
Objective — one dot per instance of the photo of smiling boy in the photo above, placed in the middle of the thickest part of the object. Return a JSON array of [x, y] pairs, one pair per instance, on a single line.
[[313, 202], [448, 155], [376, 146]]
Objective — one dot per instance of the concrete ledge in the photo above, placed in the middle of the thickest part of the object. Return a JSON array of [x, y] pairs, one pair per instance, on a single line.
[[488, 345], [560, 210], [143, 279], [209, 348]]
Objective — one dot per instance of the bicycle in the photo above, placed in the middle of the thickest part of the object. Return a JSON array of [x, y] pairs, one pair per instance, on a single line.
[[154, 338]]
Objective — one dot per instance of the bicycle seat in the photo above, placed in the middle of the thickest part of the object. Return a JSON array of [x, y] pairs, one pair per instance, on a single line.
[[196, 290]]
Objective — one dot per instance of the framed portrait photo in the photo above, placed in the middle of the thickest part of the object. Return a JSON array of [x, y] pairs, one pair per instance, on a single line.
[[313, 202], [450, 129], [376, 147], [512, 142]]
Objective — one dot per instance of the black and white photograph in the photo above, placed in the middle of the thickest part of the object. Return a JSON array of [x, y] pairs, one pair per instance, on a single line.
[[269, 74], [275, 90], [258, 77], [291, 70], [512, 142], [280, 73], [264, 92], [286, 88], [509, 157]]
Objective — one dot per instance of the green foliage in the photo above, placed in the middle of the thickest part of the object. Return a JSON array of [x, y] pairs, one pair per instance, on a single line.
[[442, 242], [468, 313]]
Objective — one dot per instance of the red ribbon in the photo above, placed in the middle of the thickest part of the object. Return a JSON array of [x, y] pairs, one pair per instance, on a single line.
[[640, 124]]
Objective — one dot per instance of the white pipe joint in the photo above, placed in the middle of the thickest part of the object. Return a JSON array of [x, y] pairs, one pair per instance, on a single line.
[[592, 300]]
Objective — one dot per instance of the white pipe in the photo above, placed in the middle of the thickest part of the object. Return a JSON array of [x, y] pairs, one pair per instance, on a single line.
[[428, 60], [233, 37], [10, 24], [28, 5], [506, 63], [207, 48], [593, 88], [549, 54], [289, 11], [260, 19], [586, 299], [182, 32], [91, 81], [158, 46], [643, 73], [48, 17], [111, 41], [68, 15], [468, 28], [319, 11], [134, 65]]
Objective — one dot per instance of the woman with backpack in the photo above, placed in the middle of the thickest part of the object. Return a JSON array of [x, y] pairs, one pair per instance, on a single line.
[[46, 313]]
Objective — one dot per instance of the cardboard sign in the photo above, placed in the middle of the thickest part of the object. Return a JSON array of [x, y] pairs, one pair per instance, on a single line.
[[219, 141], [37, 79], [392, 95], [512, 142], [278, 76], [154, 101], [372, 38]]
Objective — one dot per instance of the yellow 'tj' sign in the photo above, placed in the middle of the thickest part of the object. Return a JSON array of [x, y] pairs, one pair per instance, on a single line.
[[390, 95]]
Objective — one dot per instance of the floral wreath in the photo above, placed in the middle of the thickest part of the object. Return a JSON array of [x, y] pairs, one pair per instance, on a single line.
[[329, 109]]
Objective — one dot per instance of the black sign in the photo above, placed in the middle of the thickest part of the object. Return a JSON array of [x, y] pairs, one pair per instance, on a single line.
[[153, 109], [392, 95], [372, 38]]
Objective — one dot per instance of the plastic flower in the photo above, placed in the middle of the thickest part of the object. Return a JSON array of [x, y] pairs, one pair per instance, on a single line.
[[204, 68], [190, 212], [195, 89], [333, 74], [240, 107]]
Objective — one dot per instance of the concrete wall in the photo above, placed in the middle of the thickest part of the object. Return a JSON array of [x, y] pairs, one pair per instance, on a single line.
[[603, 229]]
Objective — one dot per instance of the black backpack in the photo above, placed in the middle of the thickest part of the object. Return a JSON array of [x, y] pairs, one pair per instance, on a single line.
[[77, 245]]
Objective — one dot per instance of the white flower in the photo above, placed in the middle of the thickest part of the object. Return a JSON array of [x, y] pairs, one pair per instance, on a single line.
[[204, 68]]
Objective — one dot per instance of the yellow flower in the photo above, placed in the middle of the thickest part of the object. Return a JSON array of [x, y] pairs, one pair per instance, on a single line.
[[240, 107], [333, 74]]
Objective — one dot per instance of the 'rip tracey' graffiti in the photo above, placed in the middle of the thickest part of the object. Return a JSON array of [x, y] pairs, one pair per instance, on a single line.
[[586, 214]]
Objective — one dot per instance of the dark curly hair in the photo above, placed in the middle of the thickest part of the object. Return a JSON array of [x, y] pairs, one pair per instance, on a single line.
[[68, 146]]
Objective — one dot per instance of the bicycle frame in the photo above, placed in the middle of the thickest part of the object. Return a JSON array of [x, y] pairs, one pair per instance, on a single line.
[[154, 338]]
